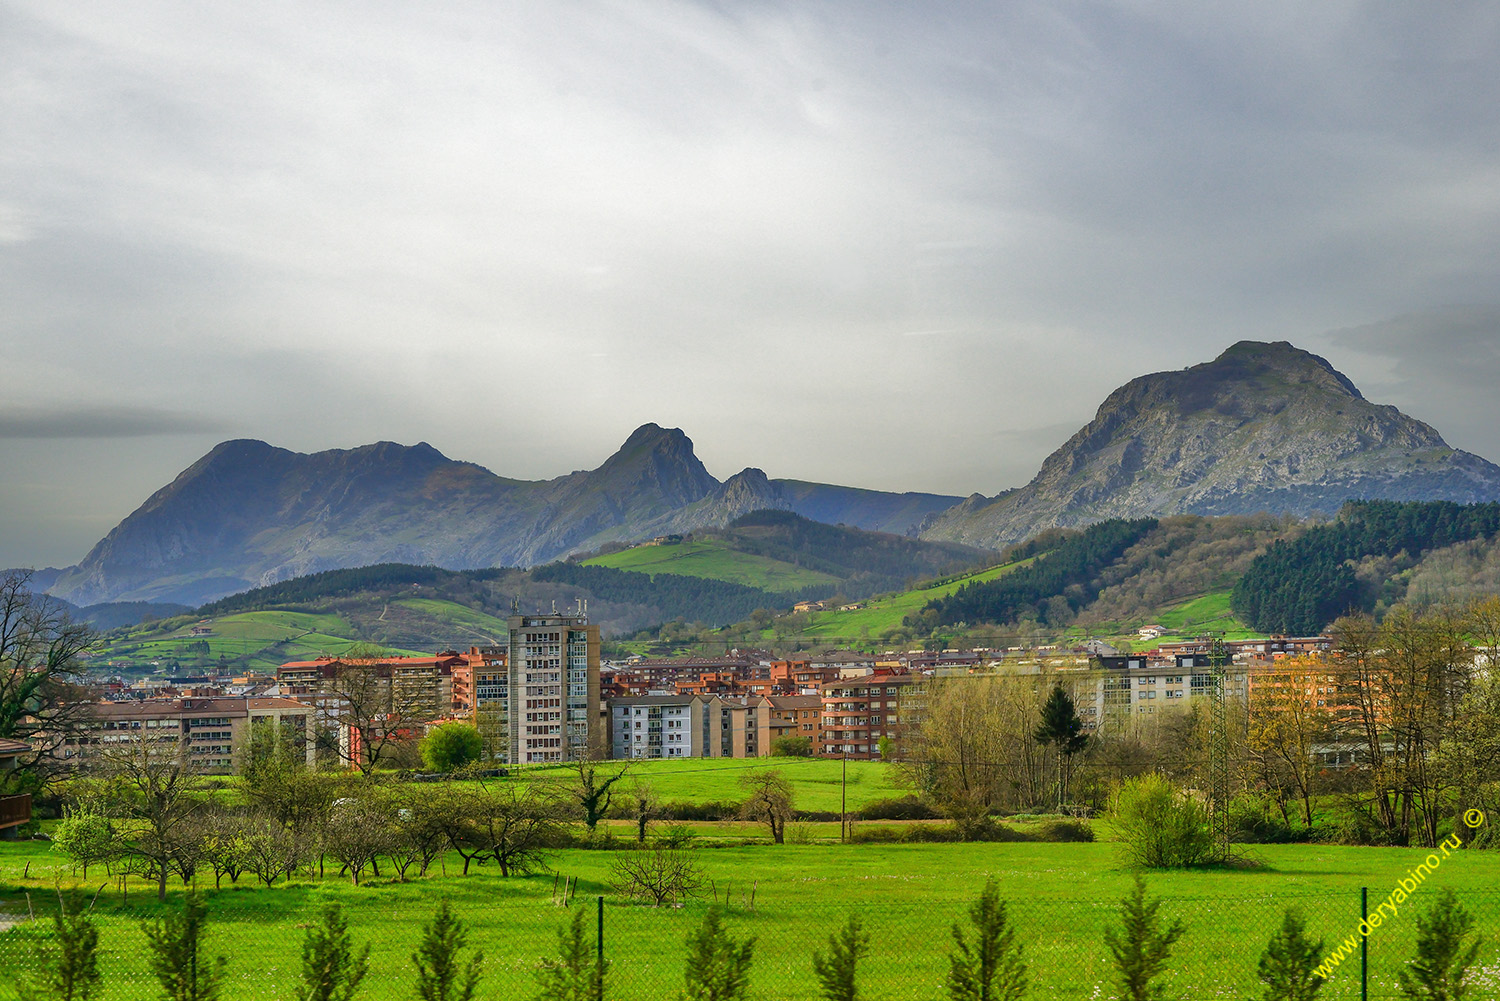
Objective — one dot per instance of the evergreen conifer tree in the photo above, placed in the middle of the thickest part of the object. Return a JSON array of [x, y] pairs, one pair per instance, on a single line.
[[1440, 971], [331, 968], [1287, 965], [718, 967], [177, 953], [991, 968], [836, 971], [440, 977], [73, 975], [1141, 947]]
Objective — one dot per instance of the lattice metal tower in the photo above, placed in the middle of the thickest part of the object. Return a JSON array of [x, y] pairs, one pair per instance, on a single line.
[[1218, 753]]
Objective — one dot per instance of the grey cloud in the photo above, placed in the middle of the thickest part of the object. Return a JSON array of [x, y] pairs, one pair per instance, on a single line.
[[1442, 366], [724, 217], [102, 422]]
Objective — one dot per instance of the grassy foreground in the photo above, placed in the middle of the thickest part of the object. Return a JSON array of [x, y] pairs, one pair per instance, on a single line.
[[1061, 898]]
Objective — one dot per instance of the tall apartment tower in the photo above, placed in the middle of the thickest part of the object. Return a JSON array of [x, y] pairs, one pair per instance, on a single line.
[[553, 693]]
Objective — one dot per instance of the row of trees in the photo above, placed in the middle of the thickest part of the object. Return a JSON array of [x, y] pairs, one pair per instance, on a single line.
[[1397, 733], [147, 814], [987, 961], [1411, 704]]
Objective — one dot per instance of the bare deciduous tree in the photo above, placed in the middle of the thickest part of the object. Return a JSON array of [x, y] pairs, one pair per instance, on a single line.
[[155, 784], [657, 874], [43, 693]]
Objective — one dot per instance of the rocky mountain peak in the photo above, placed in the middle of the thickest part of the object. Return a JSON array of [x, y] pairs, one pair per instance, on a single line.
[[1262, 427]]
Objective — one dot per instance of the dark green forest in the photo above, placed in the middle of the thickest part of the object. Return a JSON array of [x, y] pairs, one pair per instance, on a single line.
[[1299, 587], [1070, 570]]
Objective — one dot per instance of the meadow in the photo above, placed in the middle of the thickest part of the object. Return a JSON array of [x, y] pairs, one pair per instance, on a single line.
[[817, 783], [880, 614], [259, 640], [1061, 897], [716, 561]]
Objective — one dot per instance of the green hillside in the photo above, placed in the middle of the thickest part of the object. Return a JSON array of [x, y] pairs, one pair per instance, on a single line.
[[880, 614], [715, 559], [243, 641]]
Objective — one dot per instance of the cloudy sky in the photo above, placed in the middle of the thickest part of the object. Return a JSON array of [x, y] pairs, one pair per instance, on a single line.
[[904, 246]]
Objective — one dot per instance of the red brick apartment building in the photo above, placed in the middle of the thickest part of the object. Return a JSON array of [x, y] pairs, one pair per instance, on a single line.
[[859, 711]]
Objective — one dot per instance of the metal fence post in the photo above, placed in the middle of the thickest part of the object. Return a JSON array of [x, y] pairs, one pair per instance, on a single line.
[[1364, 944]]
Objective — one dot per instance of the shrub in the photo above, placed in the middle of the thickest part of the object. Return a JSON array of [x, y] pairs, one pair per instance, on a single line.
[[679, 810], [1160, 827], [876, 836], [451, 746], [904, 808], [1251, 821], [791, 747], [1065, 830]]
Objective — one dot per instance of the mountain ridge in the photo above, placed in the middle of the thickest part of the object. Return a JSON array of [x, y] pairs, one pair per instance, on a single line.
[[1265, 426], [248, 514]]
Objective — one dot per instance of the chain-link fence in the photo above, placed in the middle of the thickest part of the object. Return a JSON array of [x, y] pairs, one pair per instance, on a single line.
[[911, 937]]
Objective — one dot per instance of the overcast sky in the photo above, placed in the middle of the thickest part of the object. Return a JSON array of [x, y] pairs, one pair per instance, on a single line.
[[903, 246]]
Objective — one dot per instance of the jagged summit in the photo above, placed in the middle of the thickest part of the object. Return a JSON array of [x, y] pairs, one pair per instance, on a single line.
[[1262, 427]]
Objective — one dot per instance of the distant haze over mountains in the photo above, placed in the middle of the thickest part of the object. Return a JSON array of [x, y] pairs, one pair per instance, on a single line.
[[1263, 427], [249, 514]]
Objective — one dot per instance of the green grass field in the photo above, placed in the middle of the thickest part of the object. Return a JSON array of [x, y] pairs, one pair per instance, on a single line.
[[716, 561], [1061, 897], [817, 783], [880, 614]]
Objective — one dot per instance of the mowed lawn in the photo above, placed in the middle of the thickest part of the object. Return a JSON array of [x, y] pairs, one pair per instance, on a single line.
[[715, 561], [1061, 897], [817, 783]]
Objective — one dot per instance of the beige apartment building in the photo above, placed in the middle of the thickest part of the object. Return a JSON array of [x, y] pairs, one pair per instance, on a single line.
[[210, 732]]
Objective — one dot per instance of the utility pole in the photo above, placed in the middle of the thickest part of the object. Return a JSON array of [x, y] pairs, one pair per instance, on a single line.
[[1218, 753], [844, 803]]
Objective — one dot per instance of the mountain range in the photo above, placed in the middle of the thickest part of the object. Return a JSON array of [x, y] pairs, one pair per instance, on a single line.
[[249, 514], [1263, 427]]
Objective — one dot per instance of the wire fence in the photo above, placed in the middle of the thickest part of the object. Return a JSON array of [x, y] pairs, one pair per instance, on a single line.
[[911, 937]]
